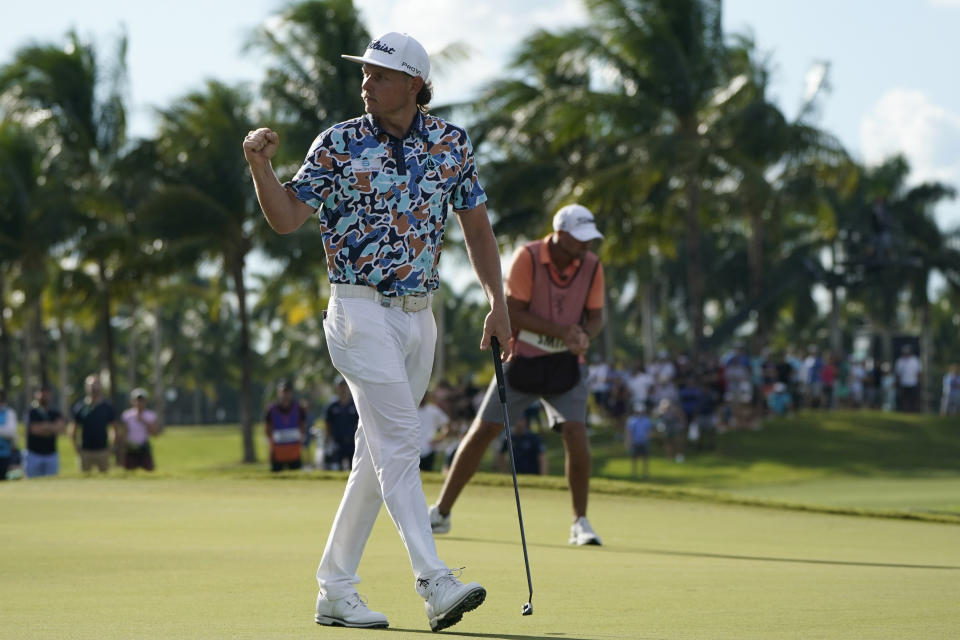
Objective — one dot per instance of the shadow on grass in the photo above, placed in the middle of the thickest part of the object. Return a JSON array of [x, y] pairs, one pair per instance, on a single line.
[[503, 636], [718, 556]]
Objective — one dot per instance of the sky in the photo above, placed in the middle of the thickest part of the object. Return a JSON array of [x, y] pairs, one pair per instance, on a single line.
[[892, 62]]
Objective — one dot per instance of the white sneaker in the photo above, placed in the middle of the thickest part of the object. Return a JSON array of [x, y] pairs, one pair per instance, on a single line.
[[582, 533], [447, 599], [439, 523], [350, 611]]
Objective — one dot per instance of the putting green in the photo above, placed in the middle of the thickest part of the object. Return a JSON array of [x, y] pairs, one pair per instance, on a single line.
[[215, 558]]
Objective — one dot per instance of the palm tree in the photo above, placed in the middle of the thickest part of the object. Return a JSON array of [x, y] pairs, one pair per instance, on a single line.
[[615, 115], [308, 86], [36, 212], [762, 151], [206, 209], [75, 101]]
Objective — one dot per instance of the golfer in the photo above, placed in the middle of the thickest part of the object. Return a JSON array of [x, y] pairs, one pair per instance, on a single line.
[[381, 185], [556, 301]]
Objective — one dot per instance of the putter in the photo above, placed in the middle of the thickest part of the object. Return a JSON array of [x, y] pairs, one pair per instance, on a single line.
[[502, 390]]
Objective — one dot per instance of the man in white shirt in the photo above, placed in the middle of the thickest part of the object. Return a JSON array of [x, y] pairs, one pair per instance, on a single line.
[[639, 384], [432, 422], [907, 369]]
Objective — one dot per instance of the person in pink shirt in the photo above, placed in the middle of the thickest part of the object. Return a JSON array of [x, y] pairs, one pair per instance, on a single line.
[[139, 423]]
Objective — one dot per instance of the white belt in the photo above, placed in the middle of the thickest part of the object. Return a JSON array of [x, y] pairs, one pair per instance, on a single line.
[[409, 303], [542, 342]]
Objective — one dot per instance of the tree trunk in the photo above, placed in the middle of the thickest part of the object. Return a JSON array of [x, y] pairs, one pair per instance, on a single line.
[[62, 371], [836, 339], [198, 405], [40, 342], [694, 272], [132, 353], [27, 365], [110, 388], [246, 366], [160, 400], [5, 355], [926, 344], [755, 265], [648, 321]]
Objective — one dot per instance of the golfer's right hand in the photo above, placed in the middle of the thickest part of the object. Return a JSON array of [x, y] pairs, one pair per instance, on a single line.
[[260, 145]]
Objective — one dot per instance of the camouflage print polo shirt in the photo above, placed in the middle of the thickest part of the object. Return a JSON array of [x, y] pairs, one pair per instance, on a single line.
[[382, 201]]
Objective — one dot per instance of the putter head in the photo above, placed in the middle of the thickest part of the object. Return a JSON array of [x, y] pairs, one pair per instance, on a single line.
[[527, 609]]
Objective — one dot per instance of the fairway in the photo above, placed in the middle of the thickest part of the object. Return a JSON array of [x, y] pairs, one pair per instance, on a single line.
[[234, 558]]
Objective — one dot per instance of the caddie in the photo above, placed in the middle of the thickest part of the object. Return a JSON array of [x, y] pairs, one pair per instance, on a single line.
[[556, 298]]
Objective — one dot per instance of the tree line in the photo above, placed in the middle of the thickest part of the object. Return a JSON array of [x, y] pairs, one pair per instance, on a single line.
[[724, 217]]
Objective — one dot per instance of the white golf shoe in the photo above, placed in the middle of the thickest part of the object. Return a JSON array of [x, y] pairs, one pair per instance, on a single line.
[[350, 611], [447, 599], [439, 523], [582, 533]]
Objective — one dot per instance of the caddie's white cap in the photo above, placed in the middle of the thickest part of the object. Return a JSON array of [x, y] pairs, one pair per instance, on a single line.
[[396, 51], [576, 220]]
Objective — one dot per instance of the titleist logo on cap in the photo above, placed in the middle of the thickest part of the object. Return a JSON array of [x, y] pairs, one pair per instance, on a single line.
[[376, 45]]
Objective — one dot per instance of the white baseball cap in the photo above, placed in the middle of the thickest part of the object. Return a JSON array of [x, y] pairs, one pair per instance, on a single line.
[[576, 220], [396, 51]]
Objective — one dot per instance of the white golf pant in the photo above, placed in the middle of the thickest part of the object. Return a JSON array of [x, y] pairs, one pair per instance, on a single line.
[[386, 357]]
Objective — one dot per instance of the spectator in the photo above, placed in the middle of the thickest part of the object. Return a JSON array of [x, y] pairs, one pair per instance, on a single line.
[[529, 452], [739, 394], [888, 388], [95, 422], [8, 434], [706, 419], [139, 423], [778, 400], [639, 425], [828, 379], [810, 378], [534, 415], [598, 381], [907, 370], [672, 423], [663, 372], [640, 384], [341, 422], [44, 424], [433, 423], [618, 404], [950, 392], [285, 424], [857, 377], [873, 387]]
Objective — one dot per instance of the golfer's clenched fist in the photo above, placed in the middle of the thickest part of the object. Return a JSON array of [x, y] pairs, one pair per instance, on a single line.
[[260, 145]]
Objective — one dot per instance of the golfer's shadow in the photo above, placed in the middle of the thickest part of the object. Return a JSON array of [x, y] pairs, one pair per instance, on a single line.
[[497, 636], [727, 556]]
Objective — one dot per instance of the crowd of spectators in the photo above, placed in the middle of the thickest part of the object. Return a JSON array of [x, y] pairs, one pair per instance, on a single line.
[[688, 402]]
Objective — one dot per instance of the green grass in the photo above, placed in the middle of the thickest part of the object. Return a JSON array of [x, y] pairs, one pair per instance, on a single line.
[[843, 461], [201, 558]]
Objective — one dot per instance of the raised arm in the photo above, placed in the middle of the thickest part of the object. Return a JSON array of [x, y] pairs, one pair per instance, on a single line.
[[280, 206]]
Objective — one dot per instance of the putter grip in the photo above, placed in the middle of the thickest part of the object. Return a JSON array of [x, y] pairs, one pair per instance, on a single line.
[[498, 366]]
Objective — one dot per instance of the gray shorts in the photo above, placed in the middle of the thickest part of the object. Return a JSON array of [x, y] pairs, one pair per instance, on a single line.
[[564, 407]]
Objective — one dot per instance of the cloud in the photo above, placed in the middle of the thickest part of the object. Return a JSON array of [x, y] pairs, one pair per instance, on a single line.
[[490, 29], [909, 122]]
